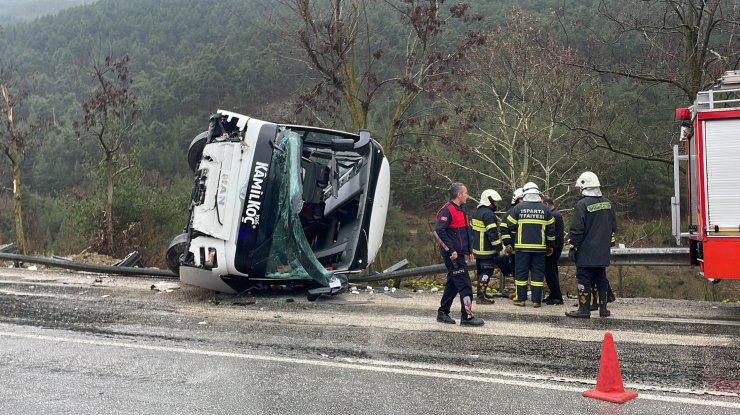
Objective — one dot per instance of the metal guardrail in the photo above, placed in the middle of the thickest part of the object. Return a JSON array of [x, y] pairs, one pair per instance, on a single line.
[[648, 257], [619, 258], [79, 266]]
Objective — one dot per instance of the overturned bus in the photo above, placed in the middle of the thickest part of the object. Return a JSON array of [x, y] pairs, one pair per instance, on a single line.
[[280, 203]]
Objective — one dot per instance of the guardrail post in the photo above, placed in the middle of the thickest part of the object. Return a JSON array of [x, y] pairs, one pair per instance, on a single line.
[[620, 279]]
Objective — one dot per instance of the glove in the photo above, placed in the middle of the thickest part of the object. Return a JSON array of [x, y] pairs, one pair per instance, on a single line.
[[549, 251], [501, 253], [509, 249], [572, 254]]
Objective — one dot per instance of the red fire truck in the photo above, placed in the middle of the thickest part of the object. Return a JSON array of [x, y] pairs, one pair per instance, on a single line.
[[710, 134]]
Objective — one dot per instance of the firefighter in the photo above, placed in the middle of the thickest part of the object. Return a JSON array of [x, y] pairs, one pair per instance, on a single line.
[[552, 275], [486, 243], [453, 236], [591, 233], [531, 233]]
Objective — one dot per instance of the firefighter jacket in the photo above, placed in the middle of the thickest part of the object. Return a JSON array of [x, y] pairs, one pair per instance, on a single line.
[[559, 229], [530, 227], [485, 241], [504, 227], [452, 229], [592, 231]]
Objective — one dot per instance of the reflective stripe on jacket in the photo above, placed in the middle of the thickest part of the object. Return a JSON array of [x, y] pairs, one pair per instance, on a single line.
[[485, 236], [530, 227]]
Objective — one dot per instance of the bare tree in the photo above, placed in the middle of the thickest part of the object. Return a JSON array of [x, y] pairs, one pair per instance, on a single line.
[[684, 45], [110, 112], [15, 140], [361, 73], [512, 116]]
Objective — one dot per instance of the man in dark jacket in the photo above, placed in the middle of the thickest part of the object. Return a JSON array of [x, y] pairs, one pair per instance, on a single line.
[[486, 242], [591, 233], [530, 231], [552, 274], [453, 235]]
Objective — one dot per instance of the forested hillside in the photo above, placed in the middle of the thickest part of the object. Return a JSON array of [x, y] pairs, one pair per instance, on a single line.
[[13, 11], [541, 66]]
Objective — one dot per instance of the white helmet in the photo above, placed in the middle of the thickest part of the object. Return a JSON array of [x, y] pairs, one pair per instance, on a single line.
[[587, 179], [530, 189], [518, 193], [488, 197]]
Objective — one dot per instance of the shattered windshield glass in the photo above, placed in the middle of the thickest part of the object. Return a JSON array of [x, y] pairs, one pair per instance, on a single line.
[[291, 256]]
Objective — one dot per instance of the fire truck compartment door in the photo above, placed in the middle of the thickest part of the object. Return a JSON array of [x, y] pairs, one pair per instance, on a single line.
[[722, 147]]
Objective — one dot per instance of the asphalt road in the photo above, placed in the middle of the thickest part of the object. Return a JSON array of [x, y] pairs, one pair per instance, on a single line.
[[81, 343]]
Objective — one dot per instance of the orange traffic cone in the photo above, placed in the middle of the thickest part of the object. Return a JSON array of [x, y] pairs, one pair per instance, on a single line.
[[609, 385]]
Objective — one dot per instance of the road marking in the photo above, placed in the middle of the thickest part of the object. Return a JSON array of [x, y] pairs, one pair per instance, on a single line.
[[420, 371], [26, 294], [537, 377], [704, 322], [507, 328]]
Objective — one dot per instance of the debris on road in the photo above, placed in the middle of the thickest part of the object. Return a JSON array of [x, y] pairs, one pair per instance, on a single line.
[[397, 294], [165, 286], [244, 301]]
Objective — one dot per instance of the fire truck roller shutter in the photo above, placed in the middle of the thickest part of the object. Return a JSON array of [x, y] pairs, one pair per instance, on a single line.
[[722, 145]]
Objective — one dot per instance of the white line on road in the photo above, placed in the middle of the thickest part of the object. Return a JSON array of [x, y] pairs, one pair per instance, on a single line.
[[353, 366]]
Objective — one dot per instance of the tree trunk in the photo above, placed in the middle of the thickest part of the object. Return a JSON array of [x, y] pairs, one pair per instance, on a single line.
[[18, 210], [108, 215]]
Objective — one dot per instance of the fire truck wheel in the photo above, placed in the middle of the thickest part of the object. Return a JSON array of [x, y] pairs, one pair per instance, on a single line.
[[195, 151]]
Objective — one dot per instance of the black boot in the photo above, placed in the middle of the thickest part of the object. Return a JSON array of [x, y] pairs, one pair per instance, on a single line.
[[484, 300], [610, 297], [594, 299], [444, 318], [603, 312], [584, 303], [474, 321]]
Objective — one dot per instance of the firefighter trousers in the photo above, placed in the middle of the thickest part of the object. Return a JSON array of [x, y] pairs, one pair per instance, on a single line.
[[526, 262], [483, 268], [552, 274], [592, 277]]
